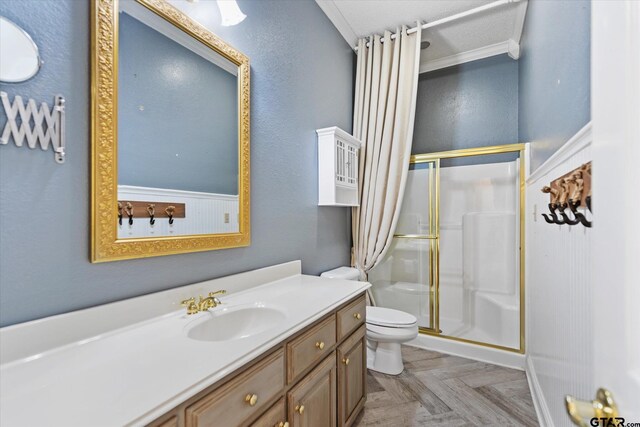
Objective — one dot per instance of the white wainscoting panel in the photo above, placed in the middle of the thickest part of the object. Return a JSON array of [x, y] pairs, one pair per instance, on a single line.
[[558, 293], [206, 213]]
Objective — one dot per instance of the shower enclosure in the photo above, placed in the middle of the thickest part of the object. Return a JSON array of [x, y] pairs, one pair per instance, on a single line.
[[456, 259]]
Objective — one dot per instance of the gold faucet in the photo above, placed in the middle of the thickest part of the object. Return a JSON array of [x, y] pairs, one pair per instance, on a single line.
[[210, 301], [192, 307], [203, 304]]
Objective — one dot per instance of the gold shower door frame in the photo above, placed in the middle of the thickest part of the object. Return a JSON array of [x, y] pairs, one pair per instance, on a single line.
[[434, 235]]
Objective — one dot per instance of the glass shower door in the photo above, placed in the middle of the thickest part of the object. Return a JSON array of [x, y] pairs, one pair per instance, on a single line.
[[406, 277], [456, 262], [479, 236]]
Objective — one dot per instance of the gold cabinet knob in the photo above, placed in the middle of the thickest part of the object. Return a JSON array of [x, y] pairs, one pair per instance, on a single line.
[[299, 409], [357, 316], [251, 399], [282, 424], [345, 360], [320, 345]]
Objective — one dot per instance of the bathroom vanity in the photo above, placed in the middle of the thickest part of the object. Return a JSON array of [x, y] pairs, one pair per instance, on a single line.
[[316, 377], [282, 349]]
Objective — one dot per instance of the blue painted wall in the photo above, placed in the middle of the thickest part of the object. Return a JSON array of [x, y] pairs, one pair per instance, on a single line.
[[301, 80], [177, 115], [466, 106], [555, 73]]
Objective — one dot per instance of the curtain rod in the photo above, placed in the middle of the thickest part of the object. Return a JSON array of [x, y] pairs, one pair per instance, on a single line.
[[455, 17]]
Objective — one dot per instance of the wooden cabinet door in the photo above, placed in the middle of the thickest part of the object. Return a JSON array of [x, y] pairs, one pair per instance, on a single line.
[[312, 403], [352, 371], [274, 417]]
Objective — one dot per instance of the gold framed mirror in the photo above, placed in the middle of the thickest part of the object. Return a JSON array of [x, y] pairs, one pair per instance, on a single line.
[[169, 132]]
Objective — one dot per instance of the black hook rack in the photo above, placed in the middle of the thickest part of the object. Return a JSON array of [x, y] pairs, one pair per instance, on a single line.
[[572, 190]]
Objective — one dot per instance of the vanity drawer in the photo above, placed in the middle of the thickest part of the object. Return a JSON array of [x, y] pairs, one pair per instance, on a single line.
[[310, 347], [245, 396], [274, 417], [171, 422], [351, 317]]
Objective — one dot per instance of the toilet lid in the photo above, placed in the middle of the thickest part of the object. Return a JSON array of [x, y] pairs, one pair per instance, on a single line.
[[388, 317]]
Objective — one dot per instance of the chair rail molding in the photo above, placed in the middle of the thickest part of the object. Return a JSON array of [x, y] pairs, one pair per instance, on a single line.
[[575, 144]]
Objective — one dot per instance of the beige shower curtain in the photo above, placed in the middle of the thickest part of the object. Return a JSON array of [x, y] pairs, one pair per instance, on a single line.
[[384, 115]]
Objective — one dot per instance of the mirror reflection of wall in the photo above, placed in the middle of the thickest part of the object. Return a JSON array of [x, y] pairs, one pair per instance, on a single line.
[[177, 128]]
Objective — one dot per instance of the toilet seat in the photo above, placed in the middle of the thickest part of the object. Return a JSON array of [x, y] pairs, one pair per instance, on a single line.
[[390, 318], [386, 334]]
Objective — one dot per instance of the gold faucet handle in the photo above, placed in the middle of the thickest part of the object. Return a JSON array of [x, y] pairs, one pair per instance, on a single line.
[[207, 303], [192, 307], [216, 301]]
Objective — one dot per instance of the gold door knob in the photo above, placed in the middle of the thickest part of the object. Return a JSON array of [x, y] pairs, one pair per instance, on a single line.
[[251, 399], [282, 424], [299, 409], [345, 360], [603, 406], [320, 345], [357, 316]]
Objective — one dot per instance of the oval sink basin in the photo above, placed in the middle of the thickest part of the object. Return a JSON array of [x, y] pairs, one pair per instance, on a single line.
[[234, 323]]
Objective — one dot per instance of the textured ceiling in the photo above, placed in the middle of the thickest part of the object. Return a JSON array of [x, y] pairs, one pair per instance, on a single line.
[[374, 16], [484, 34]]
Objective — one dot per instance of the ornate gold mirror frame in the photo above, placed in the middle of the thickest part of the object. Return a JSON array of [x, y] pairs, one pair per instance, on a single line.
[[105, 245]]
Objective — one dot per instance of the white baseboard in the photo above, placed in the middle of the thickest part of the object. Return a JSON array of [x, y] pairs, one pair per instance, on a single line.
[[542, 410], [471, 351]]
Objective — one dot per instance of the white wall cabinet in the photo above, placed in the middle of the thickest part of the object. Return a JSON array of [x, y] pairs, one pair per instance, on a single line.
[[338, 162]]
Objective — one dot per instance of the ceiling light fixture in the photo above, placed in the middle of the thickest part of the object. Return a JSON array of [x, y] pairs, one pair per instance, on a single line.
[[230, 12]]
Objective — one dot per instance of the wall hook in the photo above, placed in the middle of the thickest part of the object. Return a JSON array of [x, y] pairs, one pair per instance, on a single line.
[[573, 205], [128, 208], [565, 217], [119, 213], [562, 202], [553, 205], [169, 210], [554, 218], [151, 208]]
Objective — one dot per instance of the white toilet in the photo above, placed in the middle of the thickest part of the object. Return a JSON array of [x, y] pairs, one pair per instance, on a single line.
[[386, 330]]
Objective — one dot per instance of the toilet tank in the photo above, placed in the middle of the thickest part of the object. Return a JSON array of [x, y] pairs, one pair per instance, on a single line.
[[345, 273]]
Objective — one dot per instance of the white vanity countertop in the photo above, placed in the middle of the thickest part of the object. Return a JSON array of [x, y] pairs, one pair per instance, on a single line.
[[133, 375]]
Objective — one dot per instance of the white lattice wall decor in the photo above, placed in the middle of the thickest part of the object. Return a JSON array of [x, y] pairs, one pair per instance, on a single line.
[[39, 126]]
